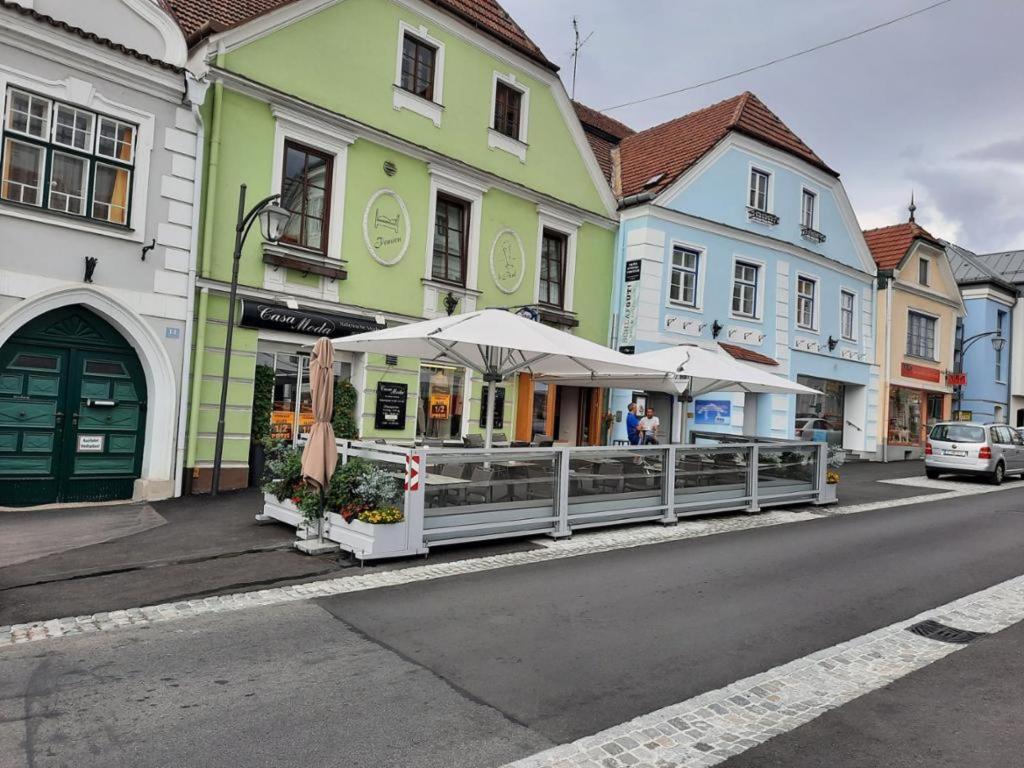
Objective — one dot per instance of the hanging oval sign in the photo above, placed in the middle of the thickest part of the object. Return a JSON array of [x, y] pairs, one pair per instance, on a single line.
[[386, 227], [508, 261]]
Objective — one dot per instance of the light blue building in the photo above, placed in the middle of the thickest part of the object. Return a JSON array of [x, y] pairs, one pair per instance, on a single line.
[[990, 300], [735, 233]]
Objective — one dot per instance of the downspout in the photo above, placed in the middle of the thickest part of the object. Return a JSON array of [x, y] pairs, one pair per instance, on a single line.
[[195, 94], [888, 366], [1010, 419]]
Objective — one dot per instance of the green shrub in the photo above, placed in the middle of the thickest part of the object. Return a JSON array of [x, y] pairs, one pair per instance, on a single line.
[[262, 403], [282, 472], [377, 489], [344, 422]]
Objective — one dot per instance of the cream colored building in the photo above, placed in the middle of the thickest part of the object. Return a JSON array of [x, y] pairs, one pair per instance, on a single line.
[[917, 310]]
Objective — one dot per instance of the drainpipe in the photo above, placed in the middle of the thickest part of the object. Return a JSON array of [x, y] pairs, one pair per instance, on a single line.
[[888, 367], [196, 94], [216, 122]]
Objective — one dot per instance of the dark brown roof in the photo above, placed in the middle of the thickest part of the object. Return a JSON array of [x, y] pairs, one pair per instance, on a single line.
[[890, 244], [90, 36], [668, 150], [603, 134], [748, 355], [200, 18]]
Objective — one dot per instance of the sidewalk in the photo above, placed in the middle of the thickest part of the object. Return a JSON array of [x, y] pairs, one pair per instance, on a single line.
[[87, 560]]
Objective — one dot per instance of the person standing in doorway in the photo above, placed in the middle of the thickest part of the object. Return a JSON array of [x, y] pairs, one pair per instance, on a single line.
[[650, 426], [632, 425]]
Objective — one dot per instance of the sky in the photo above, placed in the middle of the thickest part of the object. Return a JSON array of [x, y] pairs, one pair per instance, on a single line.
[[933, 104]]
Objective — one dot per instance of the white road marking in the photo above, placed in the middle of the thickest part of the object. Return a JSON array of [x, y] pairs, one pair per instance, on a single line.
[[583, 543], [719, 724]]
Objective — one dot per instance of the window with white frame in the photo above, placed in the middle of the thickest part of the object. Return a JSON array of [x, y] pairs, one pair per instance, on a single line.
[[759, 181], [922, 270], [62, 158], [508, 109], [419, 60], [847, 301], [744, 289], [685, 271], [921, 335], [806, 298], [808, 209]]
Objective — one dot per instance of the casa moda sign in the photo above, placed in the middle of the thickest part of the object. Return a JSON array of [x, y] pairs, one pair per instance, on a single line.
[[277, 317], [386, 227]]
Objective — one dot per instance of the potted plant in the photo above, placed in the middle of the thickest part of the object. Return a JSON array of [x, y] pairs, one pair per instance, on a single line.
[[836, 457], [367, 519], [282, 484]]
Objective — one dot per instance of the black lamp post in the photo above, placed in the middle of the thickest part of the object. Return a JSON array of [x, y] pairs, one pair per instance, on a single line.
[[273, 223], [998, 342]]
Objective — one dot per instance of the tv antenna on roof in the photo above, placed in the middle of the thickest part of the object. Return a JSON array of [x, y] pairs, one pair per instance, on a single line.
[[577, 46]]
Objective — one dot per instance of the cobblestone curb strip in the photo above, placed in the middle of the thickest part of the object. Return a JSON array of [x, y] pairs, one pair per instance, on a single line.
[[717, 725], [586, 543]]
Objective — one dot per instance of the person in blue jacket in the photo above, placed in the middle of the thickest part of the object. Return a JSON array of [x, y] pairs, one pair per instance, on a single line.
[[632, 425]]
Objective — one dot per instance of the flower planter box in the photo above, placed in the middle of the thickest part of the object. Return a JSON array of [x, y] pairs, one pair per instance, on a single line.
[[371, 542], [830, 494], [286, 512]]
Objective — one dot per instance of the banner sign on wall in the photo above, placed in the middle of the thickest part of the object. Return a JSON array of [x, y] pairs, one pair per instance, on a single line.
[[922, 372], [630, 307], [277, 317], [391, 403], [440, 407], [499, 408], [712, 412]]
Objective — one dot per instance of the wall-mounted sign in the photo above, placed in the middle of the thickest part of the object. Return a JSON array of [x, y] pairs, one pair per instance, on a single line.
[[440, 407], [922, 372], [956, 379], [717, 412], [386, 227], [90, 443], [277, 317], [391, 402], [499, 407], [963, 415], [630, 307], [508, 261]]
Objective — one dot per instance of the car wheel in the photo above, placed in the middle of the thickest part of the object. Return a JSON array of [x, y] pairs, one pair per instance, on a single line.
[[931, 474], [998, 474]]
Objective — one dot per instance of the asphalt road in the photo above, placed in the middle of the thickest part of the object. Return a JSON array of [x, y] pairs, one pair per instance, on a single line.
[[479, 669]]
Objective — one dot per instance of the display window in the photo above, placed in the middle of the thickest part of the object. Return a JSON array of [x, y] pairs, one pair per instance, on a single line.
[[820, 417], [441, 404], [906, 416], [292, 413]]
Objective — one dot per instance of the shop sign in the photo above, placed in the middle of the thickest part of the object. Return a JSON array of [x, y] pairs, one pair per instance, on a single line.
[[508, 261], [712, 412], [90, 443], [391, 403], [277, 317], [440, 407], [956, 379], [963, 415], [922, 372], [630, 307], [499, 408], [386, 227], [281, 424]]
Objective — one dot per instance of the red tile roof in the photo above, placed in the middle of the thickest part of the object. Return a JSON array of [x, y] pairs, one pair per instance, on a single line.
[[747, 355], [90, 36], [666, 151], [200, 18], [603, 133], [890, 244]]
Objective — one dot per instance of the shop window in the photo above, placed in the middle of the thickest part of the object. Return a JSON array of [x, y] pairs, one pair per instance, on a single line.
[[292, 413], [820, 417], [439, 415], [906, 407]]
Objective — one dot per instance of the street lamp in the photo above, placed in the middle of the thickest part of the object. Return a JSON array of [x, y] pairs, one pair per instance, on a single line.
[[273, 220], [998, 343]]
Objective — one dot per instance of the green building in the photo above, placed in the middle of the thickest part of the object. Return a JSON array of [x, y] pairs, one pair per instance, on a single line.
[[434, 164]]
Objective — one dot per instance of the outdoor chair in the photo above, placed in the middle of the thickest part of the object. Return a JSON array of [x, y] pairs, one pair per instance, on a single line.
[[434, 442], [520, 443], [543, 441], [473, 441], [479, 490], [637, 478], [613, 483], [499, 439], [542, 484]]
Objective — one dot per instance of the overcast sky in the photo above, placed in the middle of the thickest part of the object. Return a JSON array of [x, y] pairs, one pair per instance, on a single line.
[[934, 103]]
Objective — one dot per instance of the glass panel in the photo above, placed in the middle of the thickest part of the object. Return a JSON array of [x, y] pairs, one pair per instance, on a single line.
[[105, 368], [718, 472], [304, 192], [68, 177], [518, 484], [22, 173], [958, 433], [905, 416], [782, 470], [439, 415], [73, 128], [600, 476], [115, 140], [820, 418], [36, 362], [28, 114], [540, 409], [282, 418], [110, 194]]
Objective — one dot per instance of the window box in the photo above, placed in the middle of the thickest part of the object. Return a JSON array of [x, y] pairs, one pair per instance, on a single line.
[[302, 260], [809, 233], [559, 317], [762, 217]]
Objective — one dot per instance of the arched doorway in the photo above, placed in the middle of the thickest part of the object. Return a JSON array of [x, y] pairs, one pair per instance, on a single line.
[[72, 411]]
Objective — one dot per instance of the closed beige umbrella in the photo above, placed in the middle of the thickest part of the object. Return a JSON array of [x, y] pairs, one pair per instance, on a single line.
[[320, 456]]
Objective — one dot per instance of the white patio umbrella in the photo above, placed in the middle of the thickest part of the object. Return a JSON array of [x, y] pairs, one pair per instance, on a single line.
[[498, 345], [693, 370]]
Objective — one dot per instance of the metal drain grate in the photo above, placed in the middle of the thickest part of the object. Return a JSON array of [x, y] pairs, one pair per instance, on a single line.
[[935, 631]]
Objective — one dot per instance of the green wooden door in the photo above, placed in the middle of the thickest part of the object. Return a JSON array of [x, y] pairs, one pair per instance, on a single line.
[[72, 412]]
